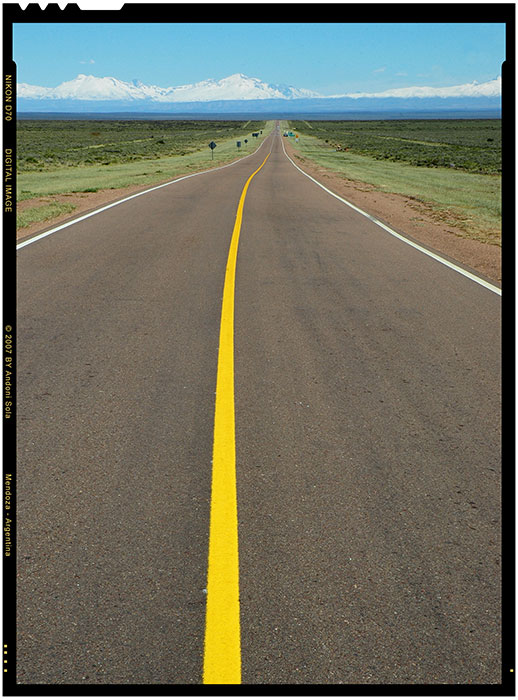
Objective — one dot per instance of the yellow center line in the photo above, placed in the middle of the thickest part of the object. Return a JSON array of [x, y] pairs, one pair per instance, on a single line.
[[222, 658]]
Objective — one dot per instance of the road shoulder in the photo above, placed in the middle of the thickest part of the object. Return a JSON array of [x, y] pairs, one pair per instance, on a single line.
[[410, 217]]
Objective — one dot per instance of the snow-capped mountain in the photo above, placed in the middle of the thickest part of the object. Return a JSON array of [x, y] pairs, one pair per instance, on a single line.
[[491, 88], [239, 93], [234, 87]]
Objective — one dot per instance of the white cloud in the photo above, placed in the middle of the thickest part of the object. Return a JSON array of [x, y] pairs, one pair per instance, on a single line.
[[380, 70], [90, 61]]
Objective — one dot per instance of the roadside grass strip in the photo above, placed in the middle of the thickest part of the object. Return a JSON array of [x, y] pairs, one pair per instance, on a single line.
[[126, 199], [143, 170], [61, 178], [44, 212], [469, 201], [430, 253]]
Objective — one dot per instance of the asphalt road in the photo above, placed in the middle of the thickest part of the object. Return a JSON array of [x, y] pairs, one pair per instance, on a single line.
[[367, 399]]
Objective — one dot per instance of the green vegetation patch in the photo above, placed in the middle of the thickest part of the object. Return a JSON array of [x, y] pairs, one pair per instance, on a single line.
[[472, 145], [47, 144], [42, 213], [469, 201], [61, 176]]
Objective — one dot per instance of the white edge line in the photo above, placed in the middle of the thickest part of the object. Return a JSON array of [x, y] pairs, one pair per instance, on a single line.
[[126, 199], [449, 264]]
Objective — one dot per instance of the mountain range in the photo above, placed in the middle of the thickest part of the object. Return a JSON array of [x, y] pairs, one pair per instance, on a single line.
[[234, 87], [240, 93]]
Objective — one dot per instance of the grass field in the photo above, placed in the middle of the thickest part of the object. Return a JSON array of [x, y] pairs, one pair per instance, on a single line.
[[403, 158], [62, 157], [46, 144], [471, 145]]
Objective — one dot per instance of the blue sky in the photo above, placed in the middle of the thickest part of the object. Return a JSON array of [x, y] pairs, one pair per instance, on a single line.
[[327, 58]]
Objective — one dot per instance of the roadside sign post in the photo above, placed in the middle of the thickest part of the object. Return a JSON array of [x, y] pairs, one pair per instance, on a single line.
[[212, 146], [239, 144]]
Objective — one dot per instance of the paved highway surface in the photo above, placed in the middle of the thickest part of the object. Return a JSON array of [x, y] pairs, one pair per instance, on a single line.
[[367, 442]]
